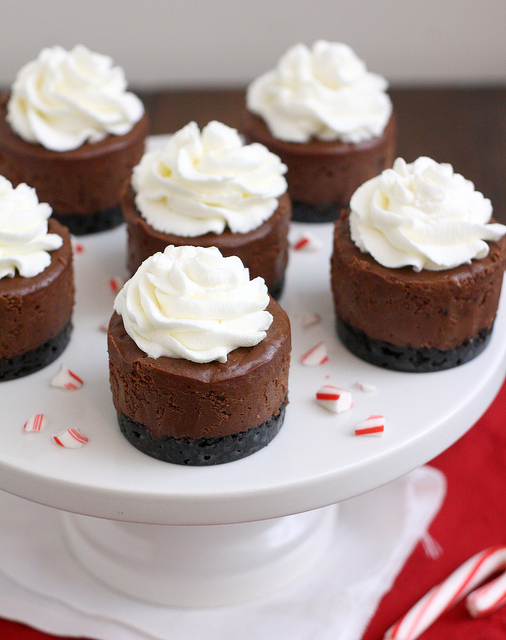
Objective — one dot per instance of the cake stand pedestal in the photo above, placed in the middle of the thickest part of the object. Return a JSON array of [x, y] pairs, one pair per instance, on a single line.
[[196, 566], [214, 535]]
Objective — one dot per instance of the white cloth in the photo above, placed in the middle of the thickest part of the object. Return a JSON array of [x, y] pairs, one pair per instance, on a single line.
[[42, 585]]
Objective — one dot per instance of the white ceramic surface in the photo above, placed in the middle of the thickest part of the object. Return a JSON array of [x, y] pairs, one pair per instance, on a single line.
[[316, 459], [201, 566]]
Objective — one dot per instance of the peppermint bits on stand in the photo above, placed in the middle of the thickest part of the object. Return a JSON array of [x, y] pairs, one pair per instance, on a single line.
[[334, 398], [70, 439], [316, 356], [36, 423], [66, 379], [372, 426]]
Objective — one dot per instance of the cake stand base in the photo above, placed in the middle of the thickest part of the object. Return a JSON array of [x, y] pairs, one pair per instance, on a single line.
[[200, 566]]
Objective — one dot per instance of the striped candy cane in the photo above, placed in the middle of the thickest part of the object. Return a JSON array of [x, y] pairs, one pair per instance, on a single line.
[[66, 379], [444, 595], [70, 439], [334, 398], [35, 423], [487, 598], [315, 356]]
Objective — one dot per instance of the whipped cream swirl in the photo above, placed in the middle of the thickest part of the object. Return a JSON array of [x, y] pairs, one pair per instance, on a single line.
[[325, 93], [192, 303], [424, 215], [208, 181], [63, 99], [24, 240]]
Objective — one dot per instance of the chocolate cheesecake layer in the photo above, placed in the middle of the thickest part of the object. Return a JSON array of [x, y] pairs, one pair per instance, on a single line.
[[36, 359], [431, 309], [264, 251], [183, 399], [81, 181], [202, 451], [322, 176], [35, 310]]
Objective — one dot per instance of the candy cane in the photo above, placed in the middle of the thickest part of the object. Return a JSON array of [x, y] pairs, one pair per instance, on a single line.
[[35, 423], [306, 242], [487, 598], [70, 439], [444, 595], [372, 426], [334, 398], [116, 284], [367, 387], [310, 319], [66, 379], [316, 355]]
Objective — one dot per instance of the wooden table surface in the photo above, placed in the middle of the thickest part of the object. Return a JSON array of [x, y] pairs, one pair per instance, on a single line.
[[465, 127]]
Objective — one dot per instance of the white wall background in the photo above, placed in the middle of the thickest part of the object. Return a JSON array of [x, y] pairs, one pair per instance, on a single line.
[[228, 42]]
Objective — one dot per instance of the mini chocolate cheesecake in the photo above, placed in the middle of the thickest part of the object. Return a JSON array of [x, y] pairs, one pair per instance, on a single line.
[[264, 250], [414, 321], [191, 413], [36, 313], [83, 185], [322, 175]]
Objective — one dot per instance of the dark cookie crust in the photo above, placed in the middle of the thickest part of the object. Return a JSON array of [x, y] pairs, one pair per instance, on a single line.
[[409, 359], [303, 212], [36, 359], [84, 224], [202, 451]]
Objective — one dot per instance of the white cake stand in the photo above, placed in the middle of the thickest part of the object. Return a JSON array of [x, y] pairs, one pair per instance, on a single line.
[[213, 535]]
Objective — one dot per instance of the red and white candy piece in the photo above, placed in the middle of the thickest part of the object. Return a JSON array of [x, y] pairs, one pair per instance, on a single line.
[[66, 379], [334, 398], [310, 319], [70, 439], [306, 242], [367, 387], [36, 423], [372, 426], [316, 355], [116, 284], [487, 598], [447, 593]]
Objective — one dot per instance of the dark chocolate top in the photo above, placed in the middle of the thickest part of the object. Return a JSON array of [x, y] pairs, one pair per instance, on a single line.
[[178, 397], [324, 173], [420, 309], [264, 250], [79, 181]]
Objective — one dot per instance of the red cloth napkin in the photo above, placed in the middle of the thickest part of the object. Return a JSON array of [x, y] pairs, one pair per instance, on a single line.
[[472, 518]]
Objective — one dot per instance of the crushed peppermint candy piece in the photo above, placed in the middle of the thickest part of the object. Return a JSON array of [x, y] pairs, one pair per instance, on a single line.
[[310, 319], [372, 426], [316, 355], [334, 398], [66, 379], [306, 242], [78, 248], [36, 423], [367, 387], [70, 439], [116, 284]]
